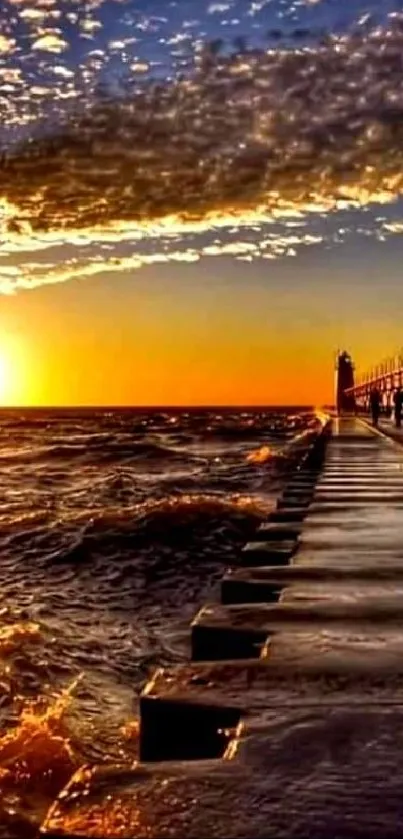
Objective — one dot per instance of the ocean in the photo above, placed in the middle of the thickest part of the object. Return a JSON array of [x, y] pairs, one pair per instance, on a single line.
[[115, 527]]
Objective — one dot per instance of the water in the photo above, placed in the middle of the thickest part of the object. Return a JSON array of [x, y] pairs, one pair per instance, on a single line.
[[114, 528]]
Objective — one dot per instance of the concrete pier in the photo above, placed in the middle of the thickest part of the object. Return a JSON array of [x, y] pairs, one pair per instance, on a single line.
[[288, 720]]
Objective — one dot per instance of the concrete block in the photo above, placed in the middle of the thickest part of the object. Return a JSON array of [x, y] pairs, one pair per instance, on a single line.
[[288, 677], [296, 513], [359, 494], [277, 530], [359, 504], [268, 553], [215, 642], [266, 584], [296, 614], [240, 590], [307, 471], [303, 482], [174, 728], [300, 493], [293, 501]]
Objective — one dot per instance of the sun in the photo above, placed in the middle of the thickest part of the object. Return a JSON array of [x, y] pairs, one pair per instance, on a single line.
[[6, 378], [14, 369]]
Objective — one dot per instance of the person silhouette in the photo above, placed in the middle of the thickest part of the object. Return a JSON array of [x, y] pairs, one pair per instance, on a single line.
[[398, 403], [375, 405]]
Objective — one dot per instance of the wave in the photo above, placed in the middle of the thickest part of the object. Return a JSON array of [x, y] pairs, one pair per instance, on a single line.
[[261, 455], [47, 738], [96, 450], [114, 450], [158, 522], [36, 761], [41, 753], [299, 435]]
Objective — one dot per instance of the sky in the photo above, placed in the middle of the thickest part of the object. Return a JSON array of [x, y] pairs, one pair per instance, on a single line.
[[200, 202]]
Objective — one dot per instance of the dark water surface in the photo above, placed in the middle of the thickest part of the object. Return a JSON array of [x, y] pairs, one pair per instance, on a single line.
[[114, 528]]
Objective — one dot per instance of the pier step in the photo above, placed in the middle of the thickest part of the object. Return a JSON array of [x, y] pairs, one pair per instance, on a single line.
[[335, 505], [230, 632], [265, 584], [375, 478], [272, 531], [326, 789], [290, 514], [303, 670], [353, 539], [268, 552], [293, 503], [381, 495]]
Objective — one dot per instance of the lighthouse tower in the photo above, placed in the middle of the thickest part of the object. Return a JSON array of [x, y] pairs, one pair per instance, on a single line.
[[345, 403]]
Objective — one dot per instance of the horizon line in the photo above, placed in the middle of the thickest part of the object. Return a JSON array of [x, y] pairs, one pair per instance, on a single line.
[[161, 407]]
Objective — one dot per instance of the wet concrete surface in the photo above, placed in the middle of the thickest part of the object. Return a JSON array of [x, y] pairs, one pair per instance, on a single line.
[[311, 720]]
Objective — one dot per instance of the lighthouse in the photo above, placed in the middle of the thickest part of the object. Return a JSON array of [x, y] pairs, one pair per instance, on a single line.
[[345, 403]]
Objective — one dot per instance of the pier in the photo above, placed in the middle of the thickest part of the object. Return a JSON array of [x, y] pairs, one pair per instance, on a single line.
[[353, 391], [288, 718]]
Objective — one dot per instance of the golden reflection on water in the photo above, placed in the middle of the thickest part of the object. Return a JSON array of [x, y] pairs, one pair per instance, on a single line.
[[36, 758], [115, 818], [41, 748], [233, 745], [12, 637]]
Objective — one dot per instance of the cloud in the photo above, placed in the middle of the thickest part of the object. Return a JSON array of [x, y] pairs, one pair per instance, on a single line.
[[43, 261], [238, 143], [6, 44], [300, 130], [50, 42], [393, 227]]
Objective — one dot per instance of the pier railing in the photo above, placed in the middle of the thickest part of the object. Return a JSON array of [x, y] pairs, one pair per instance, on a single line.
[[386, 376]]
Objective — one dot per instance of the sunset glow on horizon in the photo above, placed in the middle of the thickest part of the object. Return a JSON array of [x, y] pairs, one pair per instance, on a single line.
[[159, 248], [212, 333]]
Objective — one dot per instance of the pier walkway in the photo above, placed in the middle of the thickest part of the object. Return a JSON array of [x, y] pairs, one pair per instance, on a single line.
[[388, 427], [288, 720]]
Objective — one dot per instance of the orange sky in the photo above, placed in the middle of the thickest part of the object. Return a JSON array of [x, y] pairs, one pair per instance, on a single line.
[[217, 332], [123, 238]]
